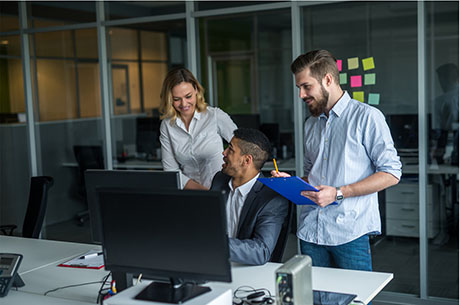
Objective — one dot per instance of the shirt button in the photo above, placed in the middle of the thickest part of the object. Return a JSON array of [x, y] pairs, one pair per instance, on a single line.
[[325, 140], [325, 158], [323, 177]]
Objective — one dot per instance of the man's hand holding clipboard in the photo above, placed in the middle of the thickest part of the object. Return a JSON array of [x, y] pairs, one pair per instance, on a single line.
[[322, 195]]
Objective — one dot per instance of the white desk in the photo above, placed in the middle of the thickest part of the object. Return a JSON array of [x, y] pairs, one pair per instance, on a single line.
[[433, 169], [38, 253], [366, 285], [41, 274], [22, 298], [287, 165], [284, 165], [128, 164]]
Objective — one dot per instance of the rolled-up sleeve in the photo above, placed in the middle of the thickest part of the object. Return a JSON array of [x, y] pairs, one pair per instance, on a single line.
[[380, 146]]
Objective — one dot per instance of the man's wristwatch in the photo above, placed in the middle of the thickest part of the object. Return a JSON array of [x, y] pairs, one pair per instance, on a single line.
[[339, 195]]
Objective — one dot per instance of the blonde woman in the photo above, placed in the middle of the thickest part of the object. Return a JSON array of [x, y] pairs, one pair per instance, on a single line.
[[191, 132]]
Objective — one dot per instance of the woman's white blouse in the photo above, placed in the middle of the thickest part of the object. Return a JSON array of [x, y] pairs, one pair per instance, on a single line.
[[196, 153]]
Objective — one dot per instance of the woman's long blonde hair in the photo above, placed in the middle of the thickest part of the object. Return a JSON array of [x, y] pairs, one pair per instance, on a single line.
[[172, 79]]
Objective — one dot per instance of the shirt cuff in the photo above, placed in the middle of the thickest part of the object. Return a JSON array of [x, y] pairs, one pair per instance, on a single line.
[[183, 180]]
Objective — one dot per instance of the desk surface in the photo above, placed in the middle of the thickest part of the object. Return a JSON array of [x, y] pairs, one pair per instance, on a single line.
[[40, 273], [432, 169], [21, 298], [287, 165], [39, 253]]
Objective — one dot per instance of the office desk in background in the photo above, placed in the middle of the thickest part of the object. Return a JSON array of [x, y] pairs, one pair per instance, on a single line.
[[128, 164], [287, 165], [40, 273]]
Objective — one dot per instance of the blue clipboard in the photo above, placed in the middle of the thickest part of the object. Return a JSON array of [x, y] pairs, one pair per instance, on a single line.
[[290, 188]]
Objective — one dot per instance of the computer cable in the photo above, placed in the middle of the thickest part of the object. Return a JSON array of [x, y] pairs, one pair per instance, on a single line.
[[70, 286], [247, 295], [103, 291]]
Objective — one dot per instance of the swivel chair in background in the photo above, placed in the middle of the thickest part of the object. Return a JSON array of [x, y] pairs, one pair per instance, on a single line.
[[36, 208], [88, 157]]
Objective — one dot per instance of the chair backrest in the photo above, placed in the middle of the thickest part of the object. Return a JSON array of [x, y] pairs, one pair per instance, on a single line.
[[36, 208], [278, 252], [88, 157]]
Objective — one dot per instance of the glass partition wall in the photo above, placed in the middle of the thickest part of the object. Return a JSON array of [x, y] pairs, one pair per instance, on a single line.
[[140, 55], [442, 49], [405, 54], [245, 63]]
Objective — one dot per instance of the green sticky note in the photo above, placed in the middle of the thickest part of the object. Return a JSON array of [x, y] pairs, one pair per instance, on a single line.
[[359, 96], [353, 63], [369, 79], [374, 98], [368, 63], [343, 78]]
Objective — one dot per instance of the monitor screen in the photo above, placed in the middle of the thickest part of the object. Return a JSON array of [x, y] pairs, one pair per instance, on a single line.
[[272, 131], [147, 135], [172, 233], [404, 130], [125, 179], [246, 120]]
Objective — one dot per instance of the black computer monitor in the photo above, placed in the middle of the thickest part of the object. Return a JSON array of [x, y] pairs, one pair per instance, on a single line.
[[125, 179], [272, 131], [246, 120], [177, 234], [147, 135], [404, 130]]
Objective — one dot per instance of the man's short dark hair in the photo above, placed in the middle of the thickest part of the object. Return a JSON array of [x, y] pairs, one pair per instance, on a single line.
[[253, 142], [320, 62]]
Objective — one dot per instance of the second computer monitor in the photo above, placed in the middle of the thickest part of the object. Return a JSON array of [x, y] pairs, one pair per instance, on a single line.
[[168, 233], [127, 179]]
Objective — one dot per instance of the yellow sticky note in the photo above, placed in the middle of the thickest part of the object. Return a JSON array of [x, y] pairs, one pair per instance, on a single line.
[[343, 78], [359, 96], [368, 63], [353, 63]]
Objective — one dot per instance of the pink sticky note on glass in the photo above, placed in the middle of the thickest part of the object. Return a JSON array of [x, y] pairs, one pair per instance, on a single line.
[[339, 64], [356, 81]]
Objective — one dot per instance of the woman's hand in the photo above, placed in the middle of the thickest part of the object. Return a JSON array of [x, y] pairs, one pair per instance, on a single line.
[[193, 185]]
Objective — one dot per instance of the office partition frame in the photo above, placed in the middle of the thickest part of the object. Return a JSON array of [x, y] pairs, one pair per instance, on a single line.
[[190, 15]]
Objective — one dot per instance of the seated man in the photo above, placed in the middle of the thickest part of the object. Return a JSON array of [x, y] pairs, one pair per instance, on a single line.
[[255, 213]]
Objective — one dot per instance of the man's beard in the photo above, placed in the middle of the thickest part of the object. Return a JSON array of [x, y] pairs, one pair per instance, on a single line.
[[320, 106]]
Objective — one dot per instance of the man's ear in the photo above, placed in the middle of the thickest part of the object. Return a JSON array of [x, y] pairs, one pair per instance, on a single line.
[[248, 160], [328, 80]]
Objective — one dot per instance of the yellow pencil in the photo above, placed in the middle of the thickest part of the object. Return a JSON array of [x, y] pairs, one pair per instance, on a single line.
[[276, 167]]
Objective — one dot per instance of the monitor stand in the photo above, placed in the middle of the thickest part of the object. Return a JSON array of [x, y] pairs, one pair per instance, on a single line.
[[171, 292]]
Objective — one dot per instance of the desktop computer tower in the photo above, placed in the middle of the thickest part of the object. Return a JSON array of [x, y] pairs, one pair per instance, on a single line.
[[294, 283]]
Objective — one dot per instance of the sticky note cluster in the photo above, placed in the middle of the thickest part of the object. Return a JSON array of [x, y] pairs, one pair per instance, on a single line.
[[351, 76]]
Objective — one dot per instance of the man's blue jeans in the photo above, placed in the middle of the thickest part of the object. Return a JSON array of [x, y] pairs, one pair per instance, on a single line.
[[355, 254]]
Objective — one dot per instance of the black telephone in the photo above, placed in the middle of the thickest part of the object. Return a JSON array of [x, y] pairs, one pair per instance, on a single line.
[[9, 265]]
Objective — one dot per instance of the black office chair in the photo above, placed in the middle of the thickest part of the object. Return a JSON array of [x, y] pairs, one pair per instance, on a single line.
[[278, 252], [88, 157], [36, 208]]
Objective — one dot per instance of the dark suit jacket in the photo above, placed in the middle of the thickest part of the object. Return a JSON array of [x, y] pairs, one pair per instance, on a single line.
[[262, 216]]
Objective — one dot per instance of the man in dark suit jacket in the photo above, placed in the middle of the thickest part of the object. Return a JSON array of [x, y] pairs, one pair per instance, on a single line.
[[255, 213]]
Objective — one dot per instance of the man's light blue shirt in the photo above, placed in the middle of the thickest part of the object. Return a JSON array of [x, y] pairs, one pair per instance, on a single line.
[[352, 144]]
